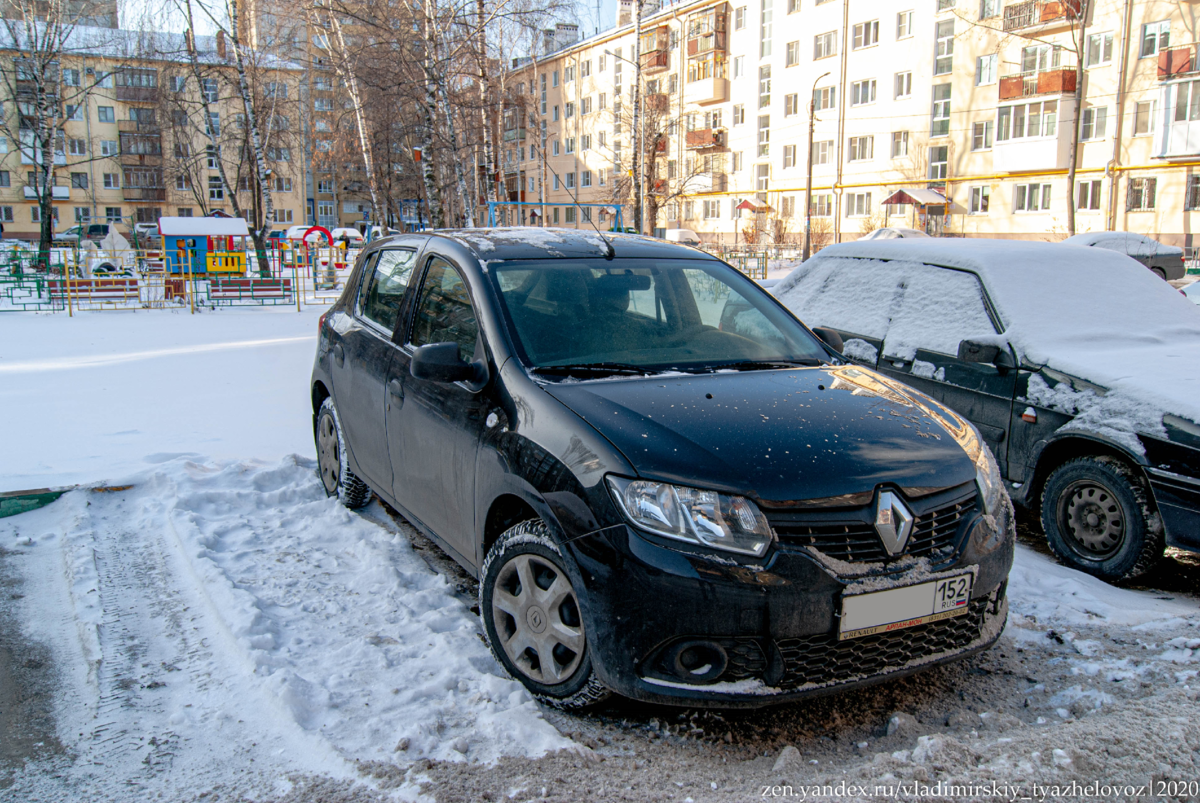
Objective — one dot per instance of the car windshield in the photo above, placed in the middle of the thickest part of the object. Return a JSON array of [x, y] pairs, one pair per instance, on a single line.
[[583, 317]]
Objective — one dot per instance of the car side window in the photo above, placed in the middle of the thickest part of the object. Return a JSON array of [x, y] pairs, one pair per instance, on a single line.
[[852, 295], [938, 309], [444, 312], [384, 285]]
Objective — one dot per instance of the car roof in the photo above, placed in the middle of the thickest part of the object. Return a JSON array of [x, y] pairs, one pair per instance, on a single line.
[[530, 242]]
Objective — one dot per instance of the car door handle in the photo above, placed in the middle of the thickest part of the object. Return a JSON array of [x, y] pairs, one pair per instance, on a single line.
[[396, 389], [339, 354]]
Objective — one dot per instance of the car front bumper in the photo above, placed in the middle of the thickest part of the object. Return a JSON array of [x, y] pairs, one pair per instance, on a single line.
[[775, 622]]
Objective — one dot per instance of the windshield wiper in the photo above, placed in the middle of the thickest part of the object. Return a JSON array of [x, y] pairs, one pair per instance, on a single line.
[[597, 368], [762, 365]]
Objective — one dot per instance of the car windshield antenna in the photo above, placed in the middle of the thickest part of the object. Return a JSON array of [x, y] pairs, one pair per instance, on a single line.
[[609, 252]]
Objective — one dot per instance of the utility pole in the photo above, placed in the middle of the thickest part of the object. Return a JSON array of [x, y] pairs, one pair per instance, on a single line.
[[812, 123]]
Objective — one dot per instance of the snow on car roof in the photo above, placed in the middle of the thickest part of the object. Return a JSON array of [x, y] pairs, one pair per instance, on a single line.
[[1125, 242], [1094, 314]]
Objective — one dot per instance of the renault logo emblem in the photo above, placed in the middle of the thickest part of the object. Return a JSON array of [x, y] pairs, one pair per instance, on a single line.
[[893, 522]]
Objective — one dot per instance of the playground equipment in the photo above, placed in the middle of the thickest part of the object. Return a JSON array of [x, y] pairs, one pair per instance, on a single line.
[[204, 245]]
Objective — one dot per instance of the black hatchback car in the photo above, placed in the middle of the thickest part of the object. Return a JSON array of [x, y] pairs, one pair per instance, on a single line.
[[659, 499]]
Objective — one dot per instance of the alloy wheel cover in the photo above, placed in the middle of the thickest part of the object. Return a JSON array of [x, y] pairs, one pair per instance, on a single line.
[[328, 458]]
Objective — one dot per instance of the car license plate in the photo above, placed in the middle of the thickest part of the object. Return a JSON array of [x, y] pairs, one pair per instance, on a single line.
[[907, 606]]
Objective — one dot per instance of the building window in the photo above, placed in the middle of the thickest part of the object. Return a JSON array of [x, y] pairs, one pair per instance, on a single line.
[[793, 6], [764, 135], [861, 149], [1187, 101], [216, 190], [1099, 49], [988, 9], [739, 66], [789, 156], [980, 196], [1143, 118], [208, 87], [762, 181], [865, 34], [1156, 36], [944, 5], [711, 209], [737, 161], [1088, 194], [1140, 197], [570, 180], [823, 152], [765, 30], [858, 204], [112, 181], [824, 98], [554, 116], [904, 24], [981, 135], [1027, 120], [569, 109], [1095, 120], [940, 126], [939, 162], [6, 214], [1191, 198], [791, 104], [903, 85], [792, 54], [822, 205], [83, 214], [77, 147], [862, 92], [554, 78], [824, 45], [79, 181], [585, 178], [1031, 198], [739, 18], [899, 144], [105, 114], [570, 144], [944, 51], [5, 178], [985, 69], [764, 86], [739, 114]]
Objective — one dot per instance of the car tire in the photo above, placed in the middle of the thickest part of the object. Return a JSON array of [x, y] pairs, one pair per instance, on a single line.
[[1160, 273], [525, 557], [332, 466], [1097, 518]]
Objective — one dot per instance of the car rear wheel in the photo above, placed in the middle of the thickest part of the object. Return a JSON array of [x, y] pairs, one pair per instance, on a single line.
[[335, 473], [533, 621], [1160, 273], [1097, 519]]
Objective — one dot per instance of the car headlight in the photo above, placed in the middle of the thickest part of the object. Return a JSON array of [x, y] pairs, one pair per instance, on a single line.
[[703, 518], [987, 477]]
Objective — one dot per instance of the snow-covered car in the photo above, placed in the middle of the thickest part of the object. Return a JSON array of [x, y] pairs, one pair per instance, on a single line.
[[1079, 368], [1192, 291], [1166, 261], [146, 230], [95, 232], [655, 504], [894, 233]]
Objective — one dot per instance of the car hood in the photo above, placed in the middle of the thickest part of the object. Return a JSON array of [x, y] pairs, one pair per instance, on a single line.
[[805, 434]]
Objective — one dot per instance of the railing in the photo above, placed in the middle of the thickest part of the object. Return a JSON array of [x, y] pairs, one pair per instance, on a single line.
[[706, 43], [138, 127], [705, 138], [1039, 12], [1176, 61], [658, 102], [1047, 82], [655, 59], [138, 94], [144, 193]]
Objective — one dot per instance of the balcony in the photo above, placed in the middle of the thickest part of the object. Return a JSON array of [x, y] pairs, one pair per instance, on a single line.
[[144, 193], [707, 91], [1032, 152], [138, 127], [138, 94], [703, 138], [1045, 13], [514, 134], [655, 60], [707, 42], [658, 102], [56, 193], [1177, 61], [1049, 82]]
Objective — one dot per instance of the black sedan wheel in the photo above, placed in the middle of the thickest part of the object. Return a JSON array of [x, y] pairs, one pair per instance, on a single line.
[[336, 475], [1097, 519], [532, 618]]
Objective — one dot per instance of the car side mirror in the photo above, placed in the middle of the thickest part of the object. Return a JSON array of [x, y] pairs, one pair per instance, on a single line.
[[439, 362], [830, 337], [971, 351]]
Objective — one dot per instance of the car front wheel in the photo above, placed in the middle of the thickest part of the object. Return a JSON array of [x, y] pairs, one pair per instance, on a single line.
[[335, 472], [1097, 518], [532, 618]]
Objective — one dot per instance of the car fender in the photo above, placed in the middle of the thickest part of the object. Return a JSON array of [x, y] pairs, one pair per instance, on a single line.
[[1061, 446]]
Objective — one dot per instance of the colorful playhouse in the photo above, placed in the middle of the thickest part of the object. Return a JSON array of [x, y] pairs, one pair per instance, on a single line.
[[204, 244]]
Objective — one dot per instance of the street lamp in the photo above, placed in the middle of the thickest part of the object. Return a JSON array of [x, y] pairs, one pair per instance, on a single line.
[[812, 120], [639, 124]]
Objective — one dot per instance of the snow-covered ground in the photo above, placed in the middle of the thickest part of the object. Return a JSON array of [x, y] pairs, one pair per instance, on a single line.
[[220, 627]]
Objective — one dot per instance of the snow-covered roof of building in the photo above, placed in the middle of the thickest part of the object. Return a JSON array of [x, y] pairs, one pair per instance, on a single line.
[[203, 227], [915, 196]]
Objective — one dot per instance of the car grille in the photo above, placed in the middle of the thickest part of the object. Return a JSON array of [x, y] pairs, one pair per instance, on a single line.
[[851, 537], [822, 660]]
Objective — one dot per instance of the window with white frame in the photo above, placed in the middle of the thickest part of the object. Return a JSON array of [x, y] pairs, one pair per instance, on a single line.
[[861, 149], [904, 24], [1095, 121], [585, 142], [1099, 49], [109, 147], [1187, 101], [112, 181], [739, 114], [823, 152], [980, 197], [822, 204], [789, 156], [862, 92], [739, 66], [1040, 58], [1031, 197], [1025, 120], [570, 180], [739, 18], [1087, 195], [764, 86], [711, 209], [903, 85], [554, 148], [943, 62], [570, 144], [940, 124], [106, 114], [982, 134], [792, 54], [824, 45], [1156, 36], [1140, 195], [585, 178], [824, 98], [787, 207], [737, 161], [988, 9], [1143, 117], [216, 189], [858, 204], [985, 69], [791, 104], [899, 144], [865, 34], [764, 135], [1191, 196], [939, 162]]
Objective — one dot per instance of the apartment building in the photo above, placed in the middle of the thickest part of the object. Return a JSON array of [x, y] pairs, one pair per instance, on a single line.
[[955, 116], [135, 145]]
